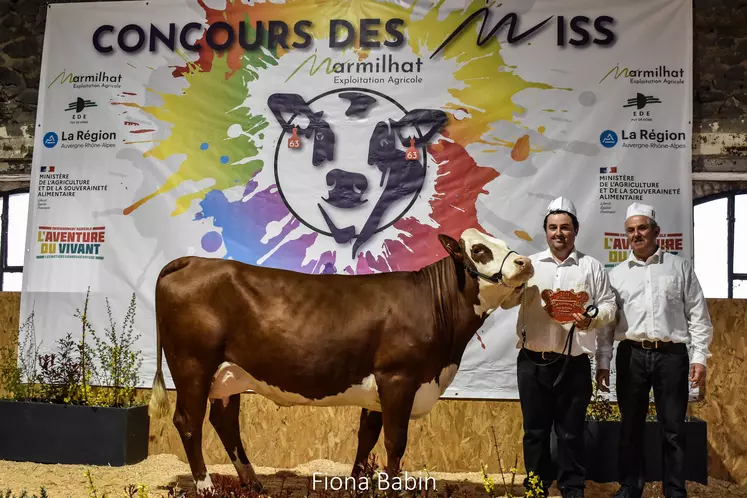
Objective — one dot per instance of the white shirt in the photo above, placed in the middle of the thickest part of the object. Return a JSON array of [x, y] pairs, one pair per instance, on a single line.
[[578, 272], [659, 299]]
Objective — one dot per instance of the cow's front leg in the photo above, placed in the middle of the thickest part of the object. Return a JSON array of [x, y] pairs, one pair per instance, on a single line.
[[397, 393], [368, 434]]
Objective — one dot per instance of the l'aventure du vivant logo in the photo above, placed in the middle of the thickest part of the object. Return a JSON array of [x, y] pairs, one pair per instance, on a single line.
[[70, 242], [617, 246]]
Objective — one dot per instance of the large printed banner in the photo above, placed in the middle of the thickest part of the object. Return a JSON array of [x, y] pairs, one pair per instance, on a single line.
[[343, 137]]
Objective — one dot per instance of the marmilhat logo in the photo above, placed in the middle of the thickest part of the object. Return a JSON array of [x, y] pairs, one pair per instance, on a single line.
[[608, 138], [50, 140]]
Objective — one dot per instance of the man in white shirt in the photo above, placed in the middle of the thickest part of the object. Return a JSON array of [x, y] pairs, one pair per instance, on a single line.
[[661, 311], [555, 386]]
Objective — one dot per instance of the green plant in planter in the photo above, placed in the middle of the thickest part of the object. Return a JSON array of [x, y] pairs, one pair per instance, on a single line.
[[601, 409], [17, 364], [119, 363], [64, 375], [61, 373]]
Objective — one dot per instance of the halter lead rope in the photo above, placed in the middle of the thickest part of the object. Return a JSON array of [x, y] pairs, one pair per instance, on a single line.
[[497, 278]]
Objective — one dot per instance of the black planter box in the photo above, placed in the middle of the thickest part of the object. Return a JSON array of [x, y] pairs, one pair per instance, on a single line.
[[602, 447], [72, 434]]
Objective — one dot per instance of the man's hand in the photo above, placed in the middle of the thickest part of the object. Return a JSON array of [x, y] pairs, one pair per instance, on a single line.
[[603, 380], [582, 322], [697, 374]]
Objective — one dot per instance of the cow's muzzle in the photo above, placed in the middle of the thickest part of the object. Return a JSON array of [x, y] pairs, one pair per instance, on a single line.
[[347, 188]]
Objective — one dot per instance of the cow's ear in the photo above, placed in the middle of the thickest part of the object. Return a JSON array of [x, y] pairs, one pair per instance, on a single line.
[[452, 247], [290, 104]]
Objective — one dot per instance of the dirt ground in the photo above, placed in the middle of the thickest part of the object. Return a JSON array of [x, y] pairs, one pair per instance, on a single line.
[[160, 473]]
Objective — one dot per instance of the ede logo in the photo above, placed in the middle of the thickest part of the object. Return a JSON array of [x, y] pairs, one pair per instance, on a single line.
[[640, 101], [608, 138], [50, 139]]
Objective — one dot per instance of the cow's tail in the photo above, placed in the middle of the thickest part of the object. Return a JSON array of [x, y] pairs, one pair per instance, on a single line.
[[159, 399]]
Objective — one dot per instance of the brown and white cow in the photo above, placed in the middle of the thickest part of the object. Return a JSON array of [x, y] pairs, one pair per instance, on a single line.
[[390, 343]]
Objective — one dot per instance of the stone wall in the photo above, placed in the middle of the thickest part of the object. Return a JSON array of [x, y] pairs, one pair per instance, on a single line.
[[719, 91], [720, 61], [21, 40], [21, 35]]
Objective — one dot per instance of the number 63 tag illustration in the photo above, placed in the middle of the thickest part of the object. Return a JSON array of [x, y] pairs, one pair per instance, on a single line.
[[294, 142], [411, 154]]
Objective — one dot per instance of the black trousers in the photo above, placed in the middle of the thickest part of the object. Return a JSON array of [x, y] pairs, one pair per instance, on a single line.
[[667, 371], [564, 406]]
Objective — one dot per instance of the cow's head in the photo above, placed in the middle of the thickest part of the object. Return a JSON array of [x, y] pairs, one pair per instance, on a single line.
[[497, 269]]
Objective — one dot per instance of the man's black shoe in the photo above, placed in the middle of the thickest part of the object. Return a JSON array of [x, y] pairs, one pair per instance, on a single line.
[[573, 493], [628, 492]]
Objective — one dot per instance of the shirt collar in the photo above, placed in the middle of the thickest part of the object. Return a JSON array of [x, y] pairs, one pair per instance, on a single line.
[[573, 257], [653, 259]]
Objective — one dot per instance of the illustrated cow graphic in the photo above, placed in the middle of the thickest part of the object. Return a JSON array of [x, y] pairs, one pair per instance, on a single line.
[[401, 174], [390, 343]]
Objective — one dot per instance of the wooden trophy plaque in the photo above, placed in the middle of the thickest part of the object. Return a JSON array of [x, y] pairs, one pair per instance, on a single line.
[[561, 305]]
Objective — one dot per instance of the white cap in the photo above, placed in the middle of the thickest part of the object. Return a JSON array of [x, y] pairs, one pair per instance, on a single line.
[[562, 204], [638, 209]]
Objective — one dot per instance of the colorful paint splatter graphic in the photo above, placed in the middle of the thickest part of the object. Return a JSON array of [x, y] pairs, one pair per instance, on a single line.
[[223, 139]]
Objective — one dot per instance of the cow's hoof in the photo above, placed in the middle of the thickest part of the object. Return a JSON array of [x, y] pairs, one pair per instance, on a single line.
[[205, 484]]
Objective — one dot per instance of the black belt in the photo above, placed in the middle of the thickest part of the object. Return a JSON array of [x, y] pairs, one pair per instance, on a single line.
[[591, 312], [663, 346], [541, 355], [548, 356]]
